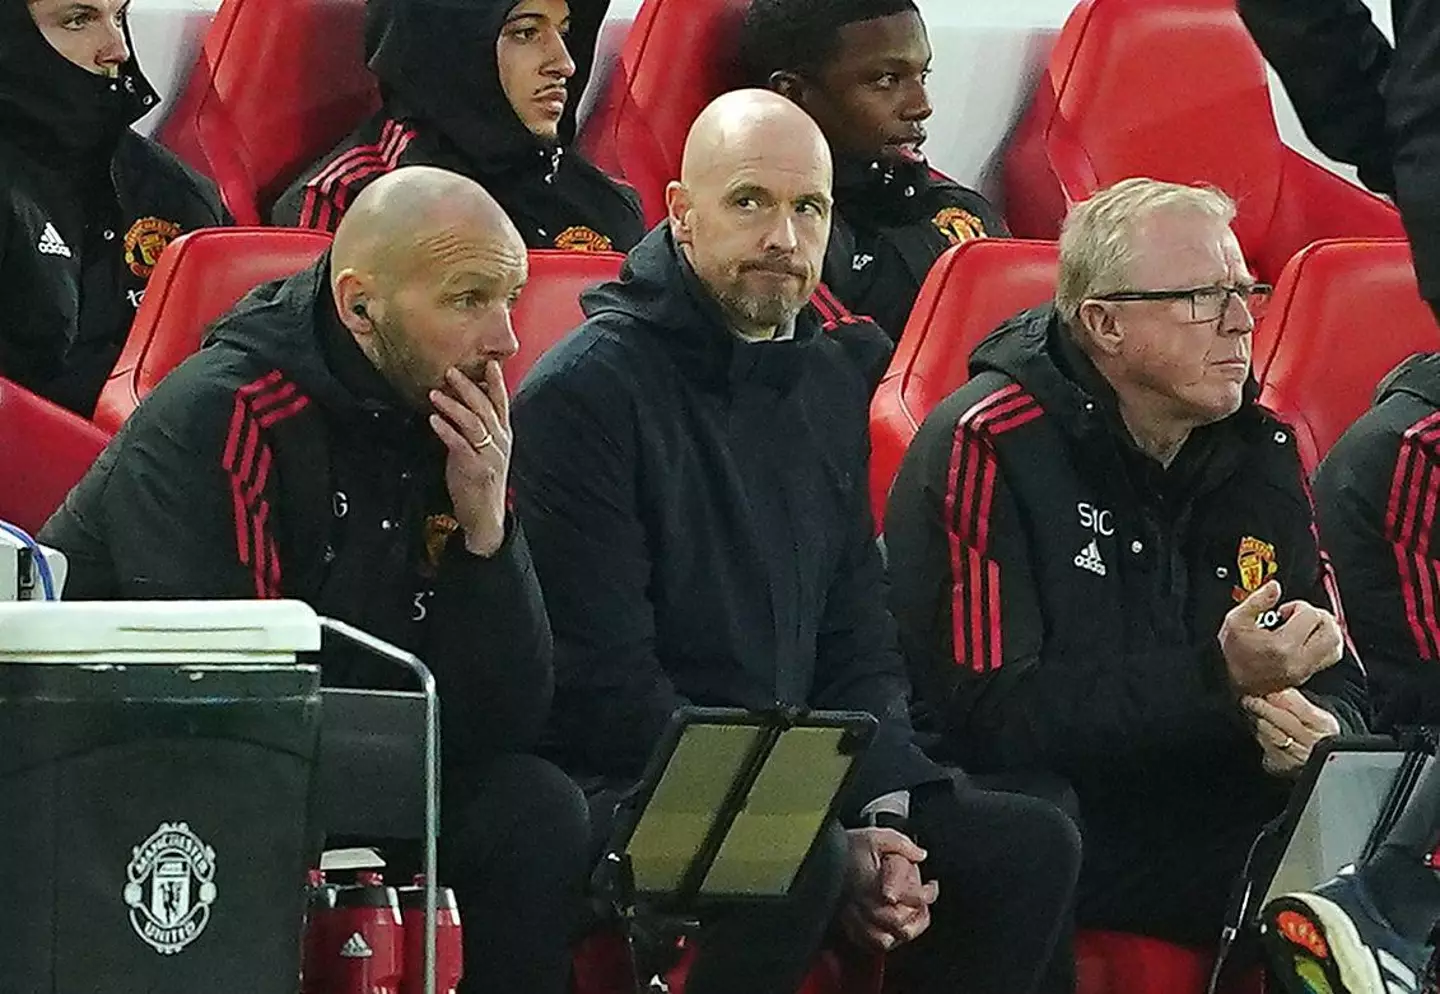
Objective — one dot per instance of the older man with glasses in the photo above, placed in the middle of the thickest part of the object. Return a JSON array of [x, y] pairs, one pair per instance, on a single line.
[[1104, 564]]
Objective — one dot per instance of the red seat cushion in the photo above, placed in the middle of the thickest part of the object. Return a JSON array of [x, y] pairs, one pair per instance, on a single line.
[[1176, 90], [44, 450], [1119, 963], [277, 85], [200, 276], [970, 291], [678, 56], [1319, 350]]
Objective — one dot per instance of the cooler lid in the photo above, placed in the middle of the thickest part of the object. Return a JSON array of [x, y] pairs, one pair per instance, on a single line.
[[235, 626]]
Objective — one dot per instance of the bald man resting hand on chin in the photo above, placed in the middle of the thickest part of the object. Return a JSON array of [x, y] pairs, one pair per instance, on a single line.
[[690, 466], [344, 439]]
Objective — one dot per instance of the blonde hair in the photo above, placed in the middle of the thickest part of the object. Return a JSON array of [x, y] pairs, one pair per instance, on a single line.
[[1096, 242]]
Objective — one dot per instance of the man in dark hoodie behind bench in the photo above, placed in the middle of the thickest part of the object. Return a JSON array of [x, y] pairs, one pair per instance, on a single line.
[[343, 439], [487, 89]]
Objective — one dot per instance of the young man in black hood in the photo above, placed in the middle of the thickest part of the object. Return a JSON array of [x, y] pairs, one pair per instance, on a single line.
[[859, 68], [691, 469], [1089, 545], [344, 439], [487, 89], [88, 205]]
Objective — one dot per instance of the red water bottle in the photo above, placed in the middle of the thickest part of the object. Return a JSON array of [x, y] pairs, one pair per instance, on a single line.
[[319, 914], [360, 943], [449, 945]]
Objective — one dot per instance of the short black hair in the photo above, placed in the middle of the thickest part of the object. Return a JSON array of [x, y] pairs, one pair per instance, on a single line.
[[802, 35]]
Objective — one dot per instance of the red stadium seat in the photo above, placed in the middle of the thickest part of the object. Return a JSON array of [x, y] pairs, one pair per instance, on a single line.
[[44, 450], [1319, 350], [602, 966], [549, 307], [1117, 963], [970, 291], [199, 278], [1175, 89], [677, 57], [277, 85]]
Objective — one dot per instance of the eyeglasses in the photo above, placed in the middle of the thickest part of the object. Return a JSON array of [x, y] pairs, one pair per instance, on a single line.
[[1207, 303]]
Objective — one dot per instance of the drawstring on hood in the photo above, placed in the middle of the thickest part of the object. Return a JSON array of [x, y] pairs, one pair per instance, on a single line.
[[435, 60], [54, 106]]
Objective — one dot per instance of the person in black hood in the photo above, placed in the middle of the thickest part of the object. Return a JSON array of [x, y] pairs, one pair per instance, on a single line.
[[1375, 504], [486, 88], [859, 68], [87, 205], [691, 466], [1089, 546], [343, 438]]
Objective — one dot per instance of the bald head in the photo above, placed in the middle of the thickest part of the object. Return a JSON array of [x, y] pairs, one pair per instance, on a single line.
[[752, 208], [746, 123], [424, 268]]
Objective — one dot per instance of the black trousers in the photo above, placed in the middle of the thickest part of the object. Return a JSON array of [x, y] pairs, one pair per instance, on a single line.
[[515, 849], [1007, 866]]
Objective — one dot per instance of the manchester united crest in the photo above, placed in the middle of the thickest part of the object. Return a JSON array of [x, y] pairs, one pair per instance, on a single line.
[[579, 238], [144, 242], [1256, 564], [438, 529], [170, 887], [958, 225]]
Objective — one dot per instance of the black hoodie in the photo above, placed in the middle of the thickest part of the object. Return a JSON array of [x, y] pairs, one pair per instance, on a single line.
[[278, 462], [892, 221], [86, 206], [444, 106], [697, 506], [1059, 593], [1375, 498]]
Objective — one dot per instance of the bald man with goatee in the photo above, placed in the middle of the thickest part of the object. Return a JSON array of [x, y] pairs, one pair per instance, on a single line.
[[344, 439], [690, 465]]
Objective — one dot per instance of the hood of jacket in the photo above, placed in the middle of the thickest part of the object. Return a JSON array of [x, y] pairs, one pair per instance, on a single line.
[[435, 60], [1417, 375], [50, 105], [291, 325], [1034, 350], [659, 290]]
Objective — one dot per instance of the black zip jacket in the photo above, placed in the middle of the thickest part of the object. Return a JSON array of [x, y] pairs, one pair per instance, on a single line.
[[277, 462], [86, 207], [697, 508], [892, 221], [1365, 102], [1059, 595], [444, 106], [1375, 501]]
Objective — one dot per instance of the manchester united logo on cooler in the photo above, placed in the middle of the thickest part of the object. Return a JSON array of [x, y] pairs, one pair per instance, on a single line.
[[958, 225], [582, 239], [1256, 563], [171, 887], [144, 242]]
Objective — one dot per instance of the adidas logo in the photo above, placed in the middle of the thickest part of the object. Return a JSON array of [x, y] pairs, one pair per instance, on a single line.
[[1399, 978], [861, 261], [51, 243], [1089, 558], [355, 948]]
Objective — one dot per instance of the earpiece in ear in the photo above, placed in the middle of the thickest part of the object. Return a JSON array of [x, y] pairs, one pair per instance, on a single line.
[[360, 310]]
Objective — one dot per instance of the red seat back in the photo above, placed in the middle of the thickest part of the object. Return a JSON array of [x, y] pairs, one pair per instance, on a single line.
[[1176, 90], [200, 276], [44, 450], [970, 291], [678, 56], [549, 306], [1320, 352], [277, 85]]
